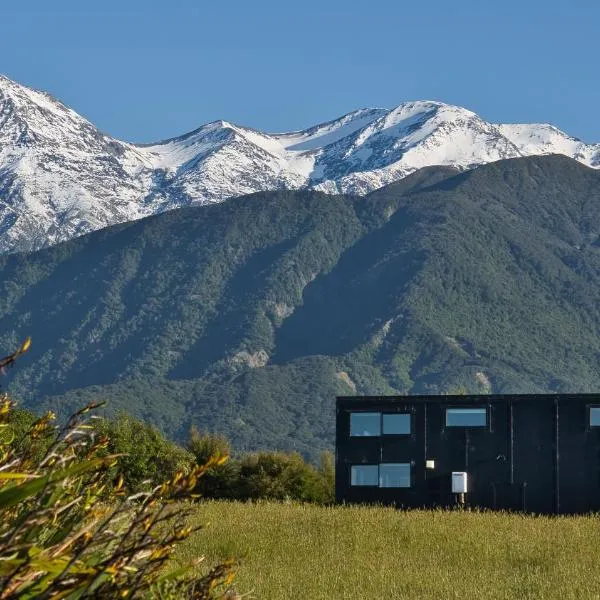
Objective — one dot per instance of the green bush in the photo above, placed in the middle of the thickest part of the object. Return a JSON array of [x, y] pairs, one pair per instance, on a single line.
[[327, 472], [205, 445], [267, 475], [280, 476], [221, 480], [148, 457]]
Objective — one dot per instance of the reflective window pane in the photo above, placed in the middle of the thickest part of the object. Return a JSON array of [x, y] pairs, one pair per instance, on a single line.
[[396, 424], [396, 475], [365, 424], [363, 475], [466, 417], [595, 416]]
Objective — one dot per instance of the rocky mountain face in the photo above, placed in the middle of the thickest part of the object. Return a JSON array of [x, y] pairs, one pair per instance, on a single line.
[[247, 317], [60, 177]]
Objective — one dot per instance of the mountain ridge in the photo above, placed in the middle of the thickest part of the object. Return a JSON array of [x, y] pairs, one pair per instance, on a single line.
[[60, 177]]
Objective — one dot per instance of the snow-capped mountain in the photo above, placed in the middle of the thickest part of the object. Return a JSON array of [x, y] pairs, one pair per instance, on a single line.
[[60, 177]]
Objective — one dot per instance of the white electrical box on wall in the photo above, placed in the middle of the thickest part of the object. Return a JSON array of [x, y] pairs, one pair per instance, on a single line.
[[459, 482]]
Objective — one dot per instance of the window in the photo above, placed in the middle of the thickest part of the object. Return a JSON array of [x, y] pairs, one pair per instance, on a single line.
[[365, 424], [466, 417], [370, 424], [364, 475], [394, 475], [385, 475], [594, 416], [397, 424]]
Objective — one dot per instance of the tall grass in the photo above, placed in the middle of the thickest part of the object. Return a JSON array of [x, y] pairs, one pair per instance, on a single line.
[[292, 551]]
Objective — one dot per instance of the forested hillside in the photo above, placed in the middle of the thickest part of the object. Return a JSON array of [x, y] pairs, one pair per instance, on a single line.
[[248, 317]]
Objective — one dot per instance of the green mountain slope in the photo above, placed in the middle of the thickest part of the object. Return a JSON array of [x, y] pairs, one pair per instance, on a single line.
[[249, 316]]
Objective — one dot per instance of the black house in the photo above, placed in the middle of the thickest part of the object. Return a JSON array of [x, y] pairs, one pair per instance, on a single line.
[[536, 453]]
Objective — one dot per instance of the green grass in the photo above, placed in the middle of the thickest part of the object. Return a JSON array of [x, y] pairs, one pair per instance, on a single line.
[[292, 551]]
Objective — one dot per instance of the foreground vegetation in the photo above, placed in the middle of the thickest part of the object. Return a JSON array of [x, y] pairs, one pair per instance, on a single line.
[[307, 551], [68, 527], [68, 530], [89, 509]]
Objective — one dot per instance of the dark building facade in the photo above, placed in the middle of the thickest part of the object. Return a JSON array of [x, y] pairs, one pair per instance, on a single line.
[[534, 453]]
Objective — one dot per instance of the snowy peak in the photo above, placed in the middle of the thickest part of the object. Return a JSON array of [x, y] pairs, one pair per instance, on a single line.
[[44, 119], [61, 177], [547, 139], [172, 154], [411, 136], [328, 133]]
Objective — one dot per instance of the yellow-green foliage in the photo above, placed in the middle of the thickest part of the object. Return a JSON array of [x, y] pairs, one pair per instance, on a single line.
[[68, 531], [295, 551]]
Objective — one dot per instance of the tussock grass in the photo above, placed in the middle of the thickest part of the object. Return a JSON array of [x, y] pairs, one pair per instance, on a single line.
[[293, 551]]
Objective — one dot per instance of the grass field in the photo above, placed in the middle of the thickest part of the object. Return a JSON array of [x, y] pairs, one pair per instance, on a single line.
[[292, 551]]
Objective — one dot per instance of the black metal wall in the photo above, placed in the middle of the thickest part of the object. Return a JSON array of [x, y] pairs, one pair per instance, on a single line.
[[537, 453]]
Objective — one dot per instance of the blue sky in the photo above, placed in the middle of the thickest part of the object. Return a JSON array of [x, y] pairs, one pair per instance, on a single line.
[[145, 71]]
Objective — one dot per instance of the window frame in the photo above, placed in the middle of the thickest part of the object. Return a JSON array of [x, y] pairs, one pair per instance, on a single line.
[[396, 487], [382, 414], [485, 408], [365, 412], [378, 485], [364, 485], [589, 425], [409, 414]]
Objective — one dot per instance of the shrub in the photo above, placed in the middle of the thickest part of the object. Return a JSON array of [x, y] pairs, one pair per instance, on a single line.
[[327, 472], [280, 476], [220, 481], [148, 458], [62, 535], [267, 475]]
